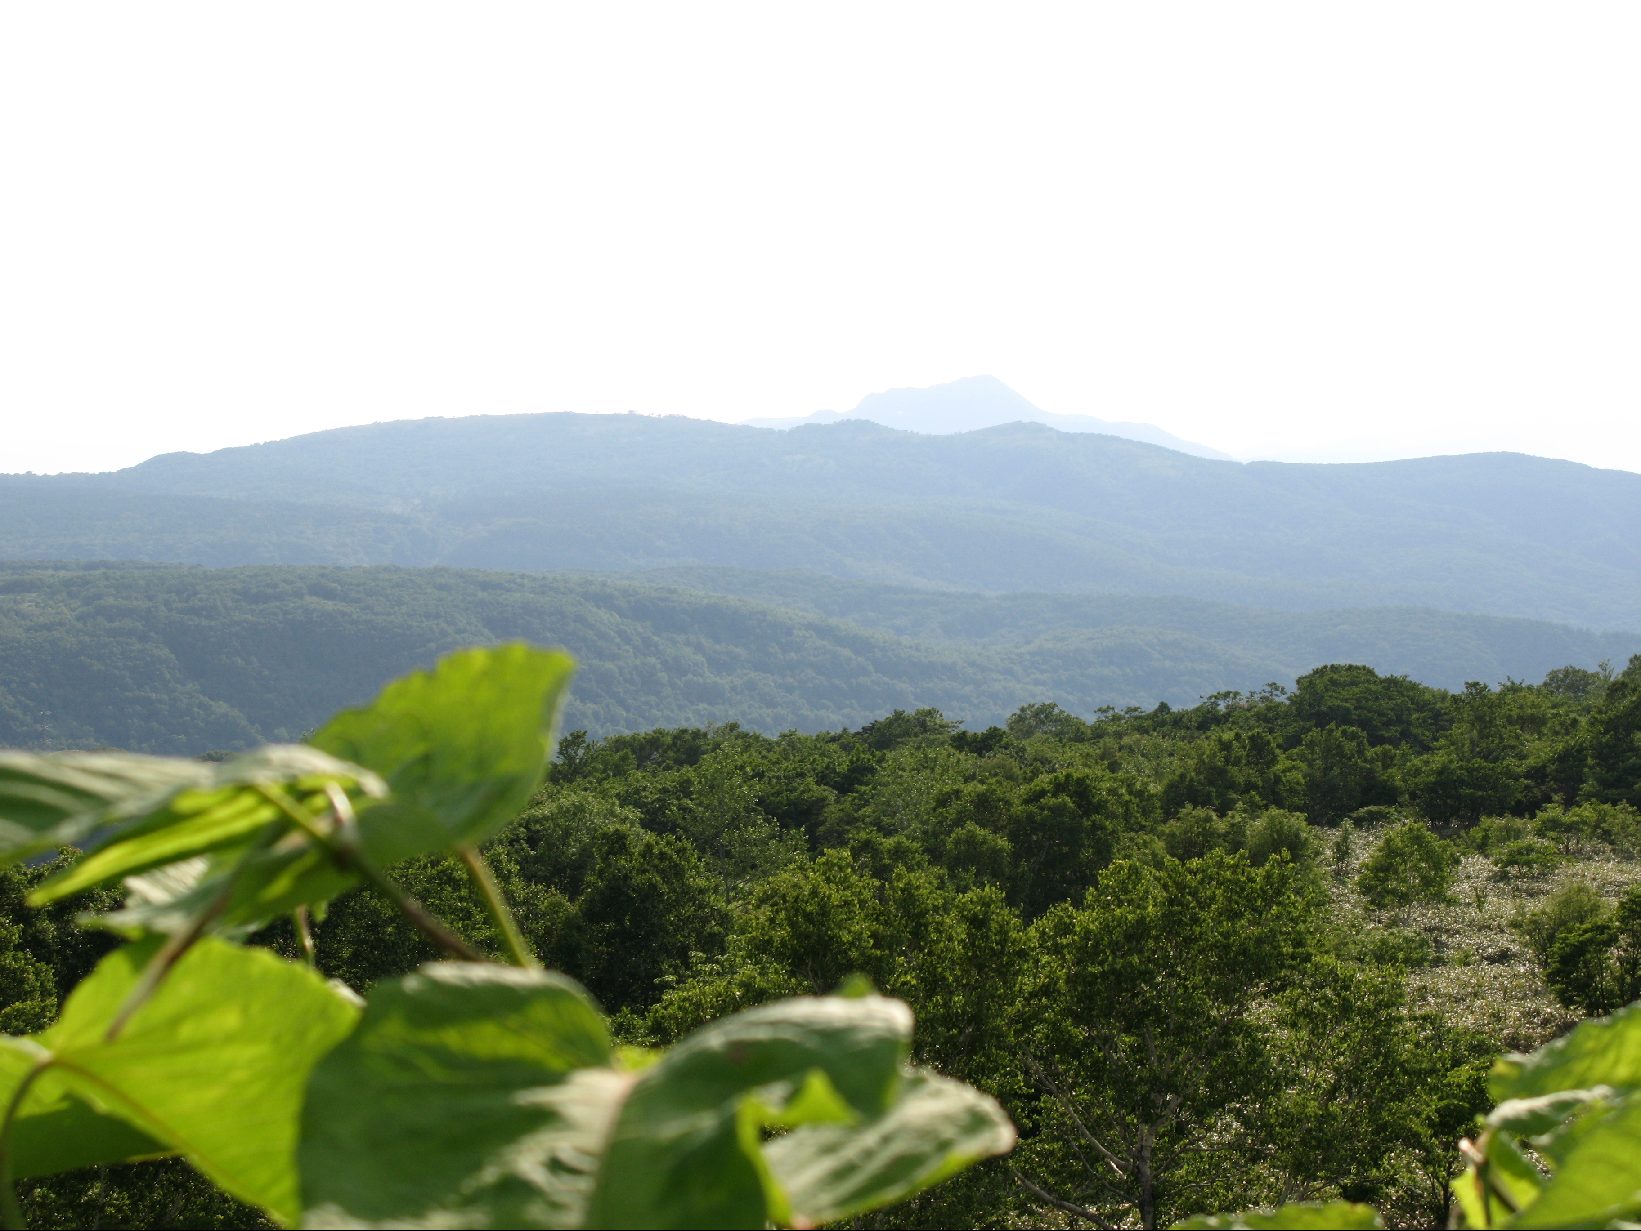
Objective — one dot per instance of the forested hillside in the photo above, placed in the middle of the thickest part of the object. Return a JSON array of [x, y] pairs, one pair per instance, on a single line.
[[186, 659], [1262, 949], [1015, 508]]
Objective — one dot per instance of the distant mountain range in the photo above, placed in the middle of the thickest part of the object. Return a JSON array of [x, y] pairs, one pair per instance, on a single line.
[[978, 402], [1017, 508], [183, 659]]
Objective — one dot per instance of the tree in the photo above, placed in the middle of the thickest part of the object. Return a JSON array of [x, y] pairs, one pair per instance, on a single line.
[[1409, 865], [1595, 965], [1062, 832], [1139, 1031], [1340, 773], [1451, 785], [1614, 741], [28, 993], [1388, 709], [1371, 1095]]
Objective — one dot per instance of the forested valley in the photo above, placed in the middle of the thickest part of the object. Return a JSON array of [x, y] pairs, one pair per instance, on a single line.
[[187, 659], [1260, 949], [1236, 835]]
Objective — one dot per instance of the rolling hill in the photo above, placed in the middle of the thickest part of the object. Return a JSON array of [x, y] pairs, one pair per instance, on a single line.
[[1020, 508]]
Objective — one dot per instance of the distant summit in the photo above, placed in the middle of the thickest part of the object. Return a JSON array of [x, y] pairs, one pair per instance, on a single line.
[[980, 402]]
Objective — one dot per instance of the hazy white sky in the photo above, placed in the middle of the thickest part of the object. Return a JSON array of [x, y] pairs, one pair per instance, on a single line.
[[1301, 230]]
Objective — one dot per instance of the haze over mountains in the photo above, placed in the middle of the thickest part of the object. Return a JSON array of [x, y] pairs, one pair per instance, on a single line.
[[1020, 507], [809, 577], [978, 402]]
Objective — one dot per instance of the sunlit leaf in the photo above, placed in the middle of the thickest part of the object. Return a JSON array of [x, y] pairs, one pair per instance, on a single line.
[[224, 812], [48, 800], [480, 1096], [1604, 1051], [462, 747], [212, 1066], [55, 1131], [1598, 1179]]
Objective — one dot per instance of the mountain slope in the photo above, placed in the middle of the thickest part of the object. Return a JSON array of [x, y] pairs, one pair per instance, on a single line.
[[183, 659], [1016, 508]]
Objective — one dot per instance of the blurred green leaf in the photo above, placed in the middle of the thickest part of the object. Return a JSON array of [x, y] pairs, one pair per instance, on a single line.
[[55, 1131], [482, 1096], [1604, 1051], [221, 810], [462, 747], [936, 1128], [1577, 1103], [686, 1149], [1528, 1117], [57, 799], [212, 1066], [1597, 1181], [448, 755], [470, 1096]]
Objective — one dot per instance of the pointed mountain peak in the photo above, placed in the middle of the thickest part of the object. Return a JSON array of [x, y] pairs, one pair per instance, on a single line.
[[978, 402]]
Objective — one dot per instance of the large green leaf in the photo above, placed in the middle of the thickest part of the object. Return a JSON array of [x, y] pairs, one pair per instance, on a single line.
[[212, 1066], [686, 1149], [1604, 1051], [469, 1096], [1305, 1216], [1598, 1180], [1513, 1182], [462, 747], [480, 1096], [936, 1128], [1577, 1103], [448, 756], [56, 1131]]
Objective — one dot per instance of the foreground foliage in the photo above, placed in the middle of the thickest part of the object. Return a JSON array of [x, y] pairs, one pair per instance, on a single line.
[[1261, 951], [1559, 1148], [463, 1094]]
